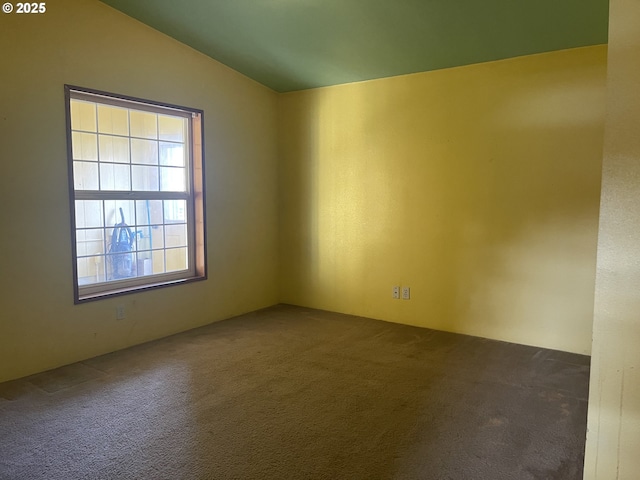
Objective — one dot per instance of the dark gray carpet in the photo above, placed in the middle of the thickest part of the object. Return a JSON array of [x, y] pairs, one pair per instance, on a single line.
[[295, 393]]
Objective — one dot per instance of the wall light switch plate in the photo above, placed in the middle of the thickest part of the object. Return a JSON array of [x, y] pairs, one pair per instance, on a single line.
[[120, 312], [396, 292]]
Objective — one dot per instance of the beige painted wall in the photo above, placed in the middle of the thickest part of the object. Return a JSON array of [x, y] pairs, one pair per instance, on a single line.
[[477, 186], [86, 43], [613, 439]]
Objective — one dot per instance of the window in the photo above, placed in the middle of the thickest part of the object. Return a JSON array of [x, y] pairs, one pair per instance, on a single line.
[[137, 197]]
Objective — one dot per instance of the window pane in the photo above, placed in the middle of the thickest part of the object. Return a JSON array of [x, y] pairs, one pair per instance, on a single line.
[[121, 265], [172, 179], [91, 270], [144, 178], [85, 175], [149, 237], [113, 216], [114, 149], [144, 151], [176, 259], [144, 238], [175, 235], [172, 154], [89, 213], [83, 116], [113, 120], [143, 124], [84, 146], [175, 211], [158, 261], [149, 212], [172, 128], [157, 237], [144, 264], [90, 242], [114, 177]]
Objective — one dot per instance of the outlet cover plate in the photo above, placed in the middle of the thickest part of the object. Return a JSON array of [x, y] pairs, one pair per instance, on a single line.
[[406, 293], [396, 292]]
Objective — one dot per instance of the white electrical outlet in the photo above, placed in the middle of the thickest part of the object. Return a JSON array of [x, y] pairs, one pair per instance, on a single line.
[[120, 312], [396, 291], [406, 293]]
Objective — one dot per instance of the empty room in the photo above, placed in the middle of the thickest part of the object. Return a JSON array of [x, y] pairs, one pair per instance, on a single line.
[[320, 239]]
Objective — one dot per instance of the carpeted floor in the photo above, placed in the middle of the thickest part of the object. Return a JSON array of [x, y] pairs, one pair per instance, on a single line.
[[295, 393]]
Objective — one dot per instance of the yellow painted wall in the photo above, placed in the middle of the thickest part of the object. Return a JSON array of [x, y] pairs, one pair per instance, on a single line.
[[86, 43], [477, 186], [613, 438]]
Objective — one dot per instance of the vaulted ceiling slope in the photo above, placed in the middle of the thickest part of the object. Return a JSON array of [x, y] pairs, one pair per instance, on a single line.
[[297, 44]]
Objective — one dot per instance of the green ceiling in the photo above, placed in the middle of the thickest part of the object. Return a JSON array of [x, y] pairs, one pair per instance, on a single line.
[[297, 44]]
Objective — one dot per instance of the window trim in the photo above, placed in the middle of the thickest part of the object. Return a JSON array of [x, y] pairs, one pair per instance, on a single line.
[[196, 200]]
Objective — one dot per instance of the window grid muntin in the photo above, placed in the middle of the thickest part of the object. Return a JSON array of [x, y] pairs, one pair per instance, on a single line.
[[136, 226], [160, 168]]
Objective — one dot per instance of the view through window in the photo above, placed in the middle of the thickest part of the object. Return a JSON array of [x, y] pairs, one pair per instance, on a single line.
[[137, 193]]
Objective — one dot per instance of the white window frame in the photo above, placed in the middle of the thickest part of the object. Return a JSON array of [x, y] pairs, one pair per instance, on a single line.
[[194, 197]]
